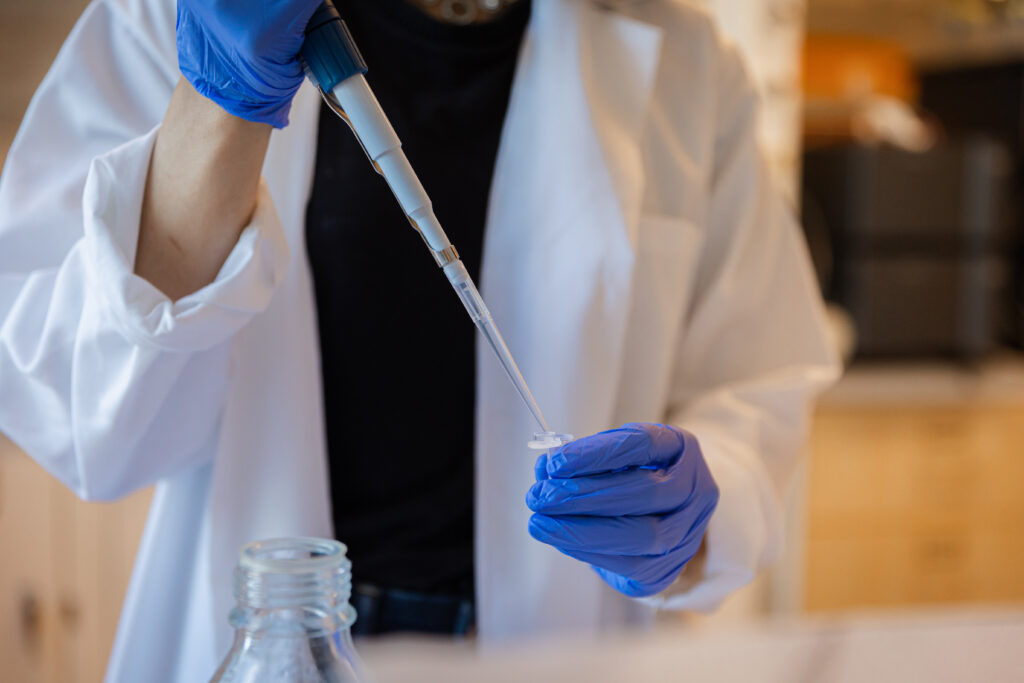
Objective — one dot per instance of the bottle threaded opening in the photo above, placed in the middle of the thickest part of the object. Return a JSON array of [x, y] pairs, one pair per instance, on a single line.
[[310, 574]]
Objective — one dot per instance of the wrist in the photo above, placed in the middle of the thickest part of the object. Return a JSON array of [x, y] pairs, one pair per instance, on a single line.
[[193, 111]]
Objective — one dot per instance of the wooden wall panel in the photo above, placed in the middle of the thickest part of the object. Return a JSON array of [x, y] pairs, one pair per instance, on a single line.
[[916, 505], [64, 569], [28, 628]]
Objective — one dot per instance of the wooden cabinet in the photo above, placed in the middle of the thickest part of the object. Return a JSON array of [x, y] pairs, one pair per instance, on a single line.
[[912, 504], [64, 569]]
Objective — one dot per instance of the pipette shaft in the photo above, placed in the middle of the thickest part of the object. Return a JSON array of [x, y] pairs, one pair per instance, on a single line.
[[335, 65]]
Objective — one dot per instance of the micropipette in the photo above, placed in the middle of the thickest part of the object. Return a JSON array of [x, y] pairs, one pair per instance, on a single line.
[[334, 64]]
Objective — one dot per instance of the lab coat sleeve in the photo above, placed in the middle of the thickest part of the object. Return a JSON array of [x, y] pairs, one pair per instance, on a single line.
[[754, 351], [106, 383]]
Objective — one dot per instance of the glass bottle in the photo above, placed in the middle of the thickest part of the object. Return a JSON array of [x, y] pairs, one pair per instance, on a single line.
[[293, 615]]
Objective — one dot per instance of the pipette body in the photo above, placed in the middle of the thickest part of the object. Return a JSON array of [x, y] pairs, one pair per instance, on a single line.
[[336, 67]]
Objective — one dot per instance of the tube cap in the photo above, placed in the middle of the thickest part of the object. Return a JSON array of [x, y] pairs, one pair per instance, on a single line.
[[329, 52], [548, 440]]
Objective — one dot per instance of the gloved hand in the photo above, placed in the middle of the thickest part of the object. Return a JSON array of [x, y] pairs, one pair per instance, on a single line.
[[633, 502], [244, 54]]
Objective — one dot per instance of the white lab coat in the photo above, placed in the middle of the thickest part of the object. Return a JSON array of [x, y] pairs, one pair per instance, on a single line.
[[636, 259]]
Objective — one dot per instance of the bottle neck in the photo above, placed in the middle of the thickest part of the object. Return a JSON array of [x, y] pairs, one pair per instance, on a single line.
[[292, 587]]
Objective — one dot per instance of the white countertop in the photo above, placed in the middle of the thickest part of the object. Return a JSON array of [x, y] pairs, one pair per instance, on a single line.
[[925, 646], [999, 379]]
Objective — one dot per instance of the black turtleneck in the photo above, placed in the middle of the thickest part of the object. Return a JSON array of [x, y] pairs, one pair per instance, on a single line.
[[396, 346]]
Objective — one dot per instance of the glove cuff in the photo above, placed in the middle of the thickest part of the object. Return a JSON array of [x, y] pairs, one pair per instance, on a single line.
[[275, 113]]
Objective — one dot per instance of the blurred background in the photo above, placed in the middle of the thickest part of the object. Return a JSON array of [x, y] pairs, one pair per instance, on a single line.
[[896, 128]]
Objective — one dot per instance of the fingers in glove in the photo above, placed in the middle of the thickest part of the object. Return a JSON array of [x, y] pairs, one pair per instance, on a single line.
[[645, 536], [632, 445], [630, 492], [540, 468]]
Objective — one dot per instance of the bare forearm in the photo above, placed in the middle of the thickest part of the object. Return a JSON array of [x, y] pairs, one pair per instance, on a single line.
[[200, 192]]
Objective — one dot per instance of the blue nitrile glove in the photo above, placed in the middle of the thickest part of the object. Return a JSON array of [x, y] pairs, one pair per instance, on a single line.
[[633, 502], [244, 54]]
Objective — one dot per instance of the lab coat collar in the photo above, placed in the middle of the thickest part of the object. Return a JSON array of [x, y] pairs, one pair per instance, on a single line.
[[557, 269]]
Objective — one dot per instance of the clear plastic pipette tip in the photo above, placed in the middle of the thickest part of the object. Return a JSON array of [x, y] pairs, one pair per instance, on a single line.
[[477, 309], [493, 337]]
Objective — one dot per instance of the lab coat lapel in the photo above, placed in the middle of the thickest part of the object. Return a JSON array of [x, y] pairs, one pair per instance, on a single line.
[[558, 262]]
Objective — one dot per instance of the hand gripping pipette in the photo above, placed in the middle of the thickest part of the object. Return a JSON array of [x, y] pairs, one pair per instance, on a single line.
[[336, 67]]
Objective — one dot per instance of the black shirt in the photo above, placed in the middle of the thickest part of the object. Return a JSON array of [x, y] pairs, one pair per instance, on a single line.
[[397, 348]]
